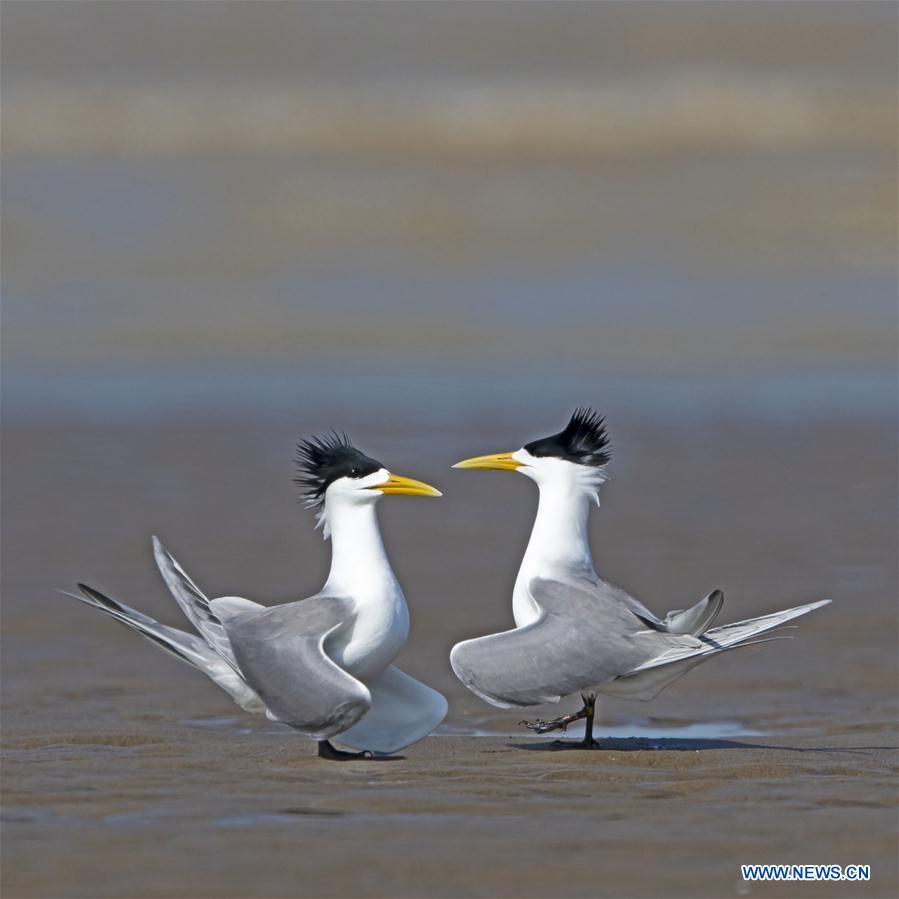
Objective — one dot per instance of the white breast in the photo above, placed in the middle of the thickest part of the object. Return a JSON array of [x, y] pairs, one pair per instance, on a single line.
[[524, 609], [377, 635], [361, 571]]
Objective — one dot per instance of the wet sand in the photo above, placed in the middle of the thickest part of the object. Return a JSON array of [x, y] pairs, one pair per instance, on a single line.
[[216, 812], [125, 774]]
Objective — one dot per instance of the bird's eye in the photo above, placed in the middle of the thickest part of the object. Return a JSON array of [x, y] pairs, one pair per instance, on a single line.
[[355, 473]]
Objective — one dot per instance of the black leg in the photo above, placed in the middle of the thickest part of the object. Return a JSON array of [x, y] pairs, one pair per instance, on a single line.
[[590, 707], [332, 753]]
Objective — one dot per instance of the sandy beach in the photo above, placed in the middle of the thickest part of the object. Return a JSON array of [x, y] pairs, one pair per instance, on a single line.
[[125, 774], [216, 810]]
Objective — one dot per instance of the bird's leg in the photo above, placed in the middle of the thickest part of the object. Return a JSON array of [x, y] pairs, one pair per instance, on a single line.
[[544, 727], [332, 753], [588, 711]]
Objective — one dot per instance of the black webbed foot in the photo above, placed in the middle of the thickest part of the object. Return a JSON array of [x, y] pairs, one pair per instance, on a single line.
[[332, 753]]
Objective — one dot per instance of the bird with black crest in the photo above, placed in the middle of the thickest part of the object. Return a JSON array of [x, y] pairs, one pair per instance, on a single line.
[[576, 633], [322, 665]]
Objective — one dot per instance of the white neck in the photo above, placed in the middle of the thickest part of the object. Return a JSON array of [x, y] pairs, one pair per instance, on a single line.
[[558, 543], [359, 564], [361, 571]]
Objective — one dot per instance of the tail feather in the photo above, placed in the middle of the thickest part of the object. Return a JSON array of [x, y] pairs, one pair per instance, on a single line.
[[177, 643], [183, 646], [728, 636], [648, 680], [735, 633]]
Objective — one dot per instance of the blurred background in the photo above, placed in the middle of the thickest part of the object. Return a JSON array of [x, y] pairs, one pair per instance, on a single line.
[[230, 205], [440, 227]]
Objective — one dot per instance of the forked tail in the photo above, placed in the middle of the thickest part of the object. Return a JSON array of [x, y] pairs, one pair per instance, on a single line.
[[647, 680]]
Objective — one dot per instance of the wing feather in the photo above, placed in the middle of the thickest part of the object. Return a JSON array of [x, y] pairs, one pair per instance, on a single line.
[[282, 654], [194, 603], [183, 646], [581, 639], [587, 638]]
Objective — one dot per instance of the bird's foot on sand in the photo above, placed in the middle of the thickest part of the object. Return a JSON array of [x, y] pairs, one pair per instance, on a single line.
[[332, 753], [561, 723], [544, 727]]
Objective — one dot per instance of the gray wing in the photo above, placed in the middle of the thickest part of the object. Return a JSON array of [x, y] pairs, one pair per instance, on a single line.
[[186, 647], [584, 637], [695, 620], [282, 654], [611, 593], [193, 603]]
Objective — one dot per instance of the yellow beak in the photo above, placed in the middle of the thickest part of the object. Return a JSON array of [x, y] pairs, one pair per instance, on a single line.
[[406, 487], [497, 462]]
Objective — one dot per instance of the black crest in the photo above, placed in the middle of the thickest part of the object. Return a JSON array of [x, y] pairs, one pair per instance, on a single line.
[[583, 441], [322, 460]]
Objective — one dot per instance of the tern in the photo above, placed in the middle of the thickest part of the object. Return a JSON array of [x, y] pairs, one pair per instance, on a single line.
[[322, 665], [574, 632]]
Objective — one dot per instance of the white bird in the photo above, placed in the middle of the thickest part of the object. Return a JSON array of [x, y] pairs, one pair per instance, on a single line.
[[322, 665], [575, 632]]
